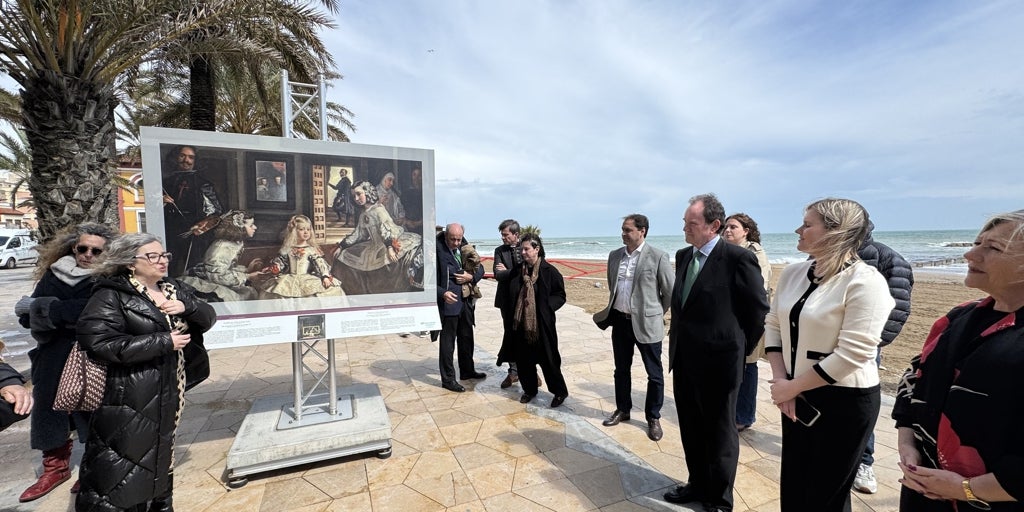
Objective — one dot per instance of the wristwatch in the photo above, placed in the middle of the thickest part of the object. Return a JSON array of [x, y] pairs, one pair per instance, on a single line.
[[973, 500]]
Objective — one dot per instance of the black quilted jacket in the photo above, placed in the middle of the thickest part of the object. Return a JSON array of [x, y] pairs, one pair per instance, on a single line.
[[898, 275], [128, 453]]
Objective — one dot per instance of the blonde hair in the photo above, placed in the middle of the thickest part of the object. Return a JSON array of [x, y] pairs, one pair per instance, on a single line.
[[291, 234], [1015, 217], [846, 227]]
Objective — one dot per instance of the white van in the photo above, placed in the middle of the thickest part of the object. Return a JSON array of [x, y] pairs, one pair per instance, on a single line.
[[17, 248]]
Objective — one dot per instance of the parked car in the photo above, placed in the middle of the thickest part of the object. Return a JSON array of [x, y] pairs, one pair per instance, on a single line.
[[17, 248]]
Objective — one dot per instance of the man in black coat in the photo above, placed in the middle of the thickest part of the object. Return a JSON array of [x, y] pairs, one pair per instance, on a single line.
[[718, 309], [899, 275], [457, 312], [188, 199], [507, 261]]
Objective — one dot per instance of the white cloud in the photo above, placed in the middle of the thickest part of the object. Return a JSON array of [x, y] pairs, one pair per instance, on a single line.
[[571, 114]]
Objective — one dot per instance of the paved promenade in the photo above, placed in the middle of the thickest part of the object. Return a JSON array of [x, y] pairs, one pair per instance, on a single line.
[[476, 451]]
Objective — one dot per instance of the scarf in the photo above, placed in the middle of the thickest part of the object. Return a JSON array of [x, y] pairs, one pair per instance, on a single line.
[[67, 270], [178, 324], [526, 306]]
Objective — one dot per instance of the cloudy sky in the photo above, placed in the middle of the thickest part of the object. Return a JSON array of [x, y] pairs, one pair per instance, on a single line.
[[571, 114]]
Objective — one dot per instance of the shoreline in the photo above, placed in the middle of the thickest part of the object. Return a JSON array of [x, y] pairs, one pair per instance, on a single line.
[[934, 294]]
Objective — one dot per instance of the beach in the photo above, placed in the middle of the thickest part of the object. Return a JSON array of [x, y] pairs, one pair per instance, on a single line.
[[934, 294]]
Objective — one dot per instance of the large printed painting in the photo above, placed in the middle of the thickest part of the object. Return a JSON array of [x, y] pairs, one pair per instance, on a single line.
[[267, 228]]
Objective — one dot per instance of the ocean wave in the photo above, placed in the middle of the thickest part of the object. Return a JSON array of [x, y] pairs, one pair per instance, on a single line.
[[951, 244]]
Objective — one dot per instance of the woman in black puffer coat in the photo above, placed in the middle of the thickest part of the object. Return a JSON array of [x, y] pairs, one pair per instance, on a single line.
[[140, 323]]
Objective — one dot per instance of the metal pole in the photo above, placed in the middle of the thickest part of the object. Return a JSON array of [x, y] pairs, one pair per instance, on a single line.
[[297, 378], [332, 379], [286, 106], [323, 109]]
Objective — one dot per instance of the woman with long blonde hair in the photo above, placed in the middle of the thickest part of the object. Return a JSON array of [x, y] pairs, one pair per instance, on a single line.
[[821, 337]]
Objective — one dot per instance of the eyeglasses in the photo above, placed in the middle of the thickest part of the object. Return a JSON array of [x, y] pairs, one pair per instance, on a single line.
[[82, 249], [154, 257]]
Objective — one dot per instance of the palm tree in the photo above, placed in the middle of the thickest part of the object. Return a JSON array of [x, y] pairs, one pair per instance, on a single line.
[[10, 110], [17, 160], [69, 57], [291, 29], [164, 101]]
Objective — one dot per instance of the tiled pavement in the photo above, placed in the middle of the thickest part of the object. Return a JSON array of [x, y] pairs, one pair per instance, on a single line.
[[474, 451]]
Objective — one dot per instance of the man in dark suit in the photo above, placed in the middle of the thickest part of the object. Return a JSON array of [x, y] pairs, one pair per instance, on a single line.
[[457, 312], [718, 310], [639, 293]]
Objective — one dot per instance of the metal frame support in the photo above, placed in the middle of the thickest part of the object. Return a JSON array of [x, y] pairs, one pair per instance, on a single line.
[[309, 101], [306, 100]]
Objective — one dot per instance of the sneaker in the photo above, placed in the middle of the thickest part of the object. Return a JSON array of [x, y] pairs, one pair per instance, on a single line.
[[865, 481]]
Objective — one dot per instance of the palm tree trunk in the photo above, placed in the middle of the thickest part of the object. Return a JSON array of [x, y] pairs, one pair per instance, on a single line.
[[68, 127], [203, 101]]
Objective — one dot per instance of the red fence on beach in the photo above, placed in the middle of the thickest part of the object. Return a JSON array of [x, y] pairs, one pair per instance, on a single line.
[[576, 268]]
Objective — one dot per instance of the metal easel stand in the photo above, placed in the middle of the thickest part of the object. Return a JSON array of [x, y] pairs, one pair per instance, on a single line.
[[289, 430]]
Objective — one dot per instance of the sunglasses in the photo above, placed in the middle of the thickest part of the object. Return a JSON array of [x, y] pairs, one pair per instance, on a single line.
[[154, 257], [82, 249]]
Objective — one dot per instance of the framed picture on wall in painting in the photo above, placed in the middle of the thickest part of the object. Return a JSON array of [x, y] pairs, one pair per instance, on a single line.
[[271, 180]]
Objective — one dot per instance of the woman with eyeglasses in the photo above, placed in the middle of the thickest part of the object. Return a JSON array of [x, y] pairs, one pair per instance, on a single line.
[[147, 328], [65, 284]]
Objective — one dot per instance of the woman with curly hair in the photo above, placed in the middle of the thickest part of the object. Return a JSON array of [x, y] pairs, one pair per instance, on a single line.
[[65, 273], [741, 230]]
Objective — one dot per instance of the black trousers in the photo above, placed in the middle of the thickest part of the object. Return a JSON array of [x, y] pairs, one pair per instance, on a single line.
[[531, 356], [819, 463], [456, 331], [623, 341], [706, 387]]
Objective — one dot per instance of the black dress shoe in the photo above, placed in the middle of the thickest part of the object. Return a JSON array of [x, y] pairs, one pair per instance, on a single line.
[[557, 400], [453, 386], [681, 494], [473, 375], [654, 432], [525, 399], [616, 418]]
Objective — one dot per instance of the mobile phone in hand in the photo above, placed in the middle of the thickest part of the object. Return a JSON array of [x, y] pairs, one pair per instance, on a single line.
[[806, 413]]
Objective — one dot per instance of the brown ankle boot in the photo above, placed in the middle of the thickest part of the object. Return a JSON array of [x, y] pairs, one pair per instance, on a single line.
[[55, 472]]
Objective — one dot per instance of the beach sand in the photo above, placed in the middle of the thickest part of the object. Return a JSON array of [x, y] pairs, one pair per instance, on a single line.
[[934, 295]]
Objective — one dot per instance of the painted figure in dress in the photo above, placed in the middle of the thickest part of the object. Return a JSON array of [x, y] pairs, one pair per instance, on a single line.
[[300, 269], [379, 256], [219, 277]]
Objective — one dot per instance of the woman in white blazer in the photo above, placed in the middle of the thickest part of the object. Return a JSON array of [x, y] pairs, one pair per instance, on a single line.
[[821, 337]]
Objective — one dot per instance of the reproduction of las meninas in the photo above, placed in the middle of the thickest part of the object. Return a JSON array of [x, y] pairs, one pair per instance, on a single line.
[[268, 229]]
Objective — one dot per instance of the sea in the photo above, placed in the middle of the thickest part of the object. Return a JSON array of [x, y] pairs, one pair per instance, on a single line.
[[930, 251]]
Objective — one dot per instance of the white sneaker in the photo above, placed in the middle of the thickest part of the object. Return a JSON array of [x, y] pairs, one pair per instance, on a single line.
[[865, 481]]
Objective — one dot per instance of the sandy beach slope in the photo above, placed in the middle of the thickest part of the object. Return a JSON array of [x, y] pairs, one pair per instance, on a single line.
[[934, 294]]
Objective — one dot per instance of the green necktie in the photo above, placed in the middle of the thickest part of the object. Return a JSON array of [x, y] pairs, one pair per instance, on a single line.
[[691, 274], [458, 257]]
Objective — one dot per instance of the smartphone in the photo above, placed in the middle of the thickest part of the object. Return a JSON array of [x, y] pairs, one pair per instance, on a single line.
[[806, 413]]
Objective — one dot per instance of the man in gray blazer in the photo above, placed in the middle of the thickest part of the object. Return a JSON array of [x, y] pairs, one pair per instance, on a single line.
[[639, 292]]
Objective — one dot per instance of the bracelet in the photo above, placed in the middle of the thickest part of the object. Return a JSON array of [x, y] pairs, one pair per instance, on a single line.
[[973, 500]]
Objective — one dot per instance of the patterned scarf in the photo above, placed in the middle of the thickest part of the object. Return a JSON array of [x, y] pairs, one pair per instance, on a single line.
[[526, 306], [176, 324]]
